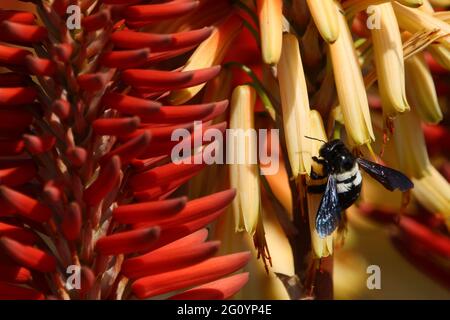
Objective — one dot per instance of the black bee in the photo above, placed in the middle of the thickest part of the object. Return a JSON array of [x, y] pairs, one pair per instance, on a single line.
[[344, 182]]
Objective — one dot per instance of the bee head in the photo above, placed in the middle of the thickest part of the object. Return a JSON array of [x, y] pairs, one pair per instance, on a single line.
[[338, 157]]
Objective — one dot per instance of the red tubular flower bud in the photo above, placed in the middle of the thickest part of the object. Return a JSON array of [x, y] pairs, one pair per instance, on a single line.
[[61, 108], [17, 16], [125, 59], [106, 180], [130, 105], [16, 274], [11, 147], [127, 39], [139, 240], [139, 77], [38, 145], [12, 56], [197, 77], [159, 11], [148, 211], [12, 79], [92, 81], [63, 51], [131, 149], [71, 222], [96, 21], [17, 233], [164, 174], [16, 176], [17, 96], [39, 66], [9, 291], [200, 273], [186, 113], [27, 256], [87, 280], [218, 290], [25, 206], [116, 126], [76, 155], [434, 242], [14, 121], [164, 260], [21, 33]]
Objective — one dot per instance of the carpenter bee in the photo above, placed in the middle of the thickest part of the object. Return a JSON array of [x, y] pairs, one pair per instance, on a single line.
[[344, 182]]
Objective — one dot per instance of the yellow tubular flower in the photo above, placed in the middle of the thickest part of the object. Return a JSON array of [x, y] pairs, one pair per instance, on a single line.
[[415, 20], [410, 145], [433, 192], [325, 17], [211, 52], [295, 105], [421, 91], [411, 3], [388, 54], [440, 3], [350, 87], [244, 171], [270, 13], [321, 247]]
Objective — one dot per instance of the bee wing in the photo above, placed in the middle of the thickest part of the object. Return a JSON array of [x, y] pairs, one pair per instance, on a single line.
[[329, 213], [391, 179]]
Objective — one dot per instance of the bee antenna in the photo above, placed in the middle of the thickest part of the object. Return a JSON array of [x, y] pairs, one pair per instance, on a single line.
[[315, 139]]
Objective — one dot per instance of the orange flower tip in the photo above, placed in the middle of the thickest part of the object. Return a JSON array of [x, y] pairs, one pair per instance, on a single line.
[[71, 222], [25, 205], [21, 33], [139, 240], [92, 81], [131, 149], [17, 16], [76, 155], [9, 291], [28, 256], [166, 259], [17, 233], [61, 108], [125, 58], [63, 51], [200, 273], [116, 126], [106, 179], [18, 175], [138, 77], [15, 274], [158, 11], [39, 66], [217, 290], [11, 147], [96, 21], [38, 145], [148, 211], [130, 105], [434, 242], [17, 96]]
